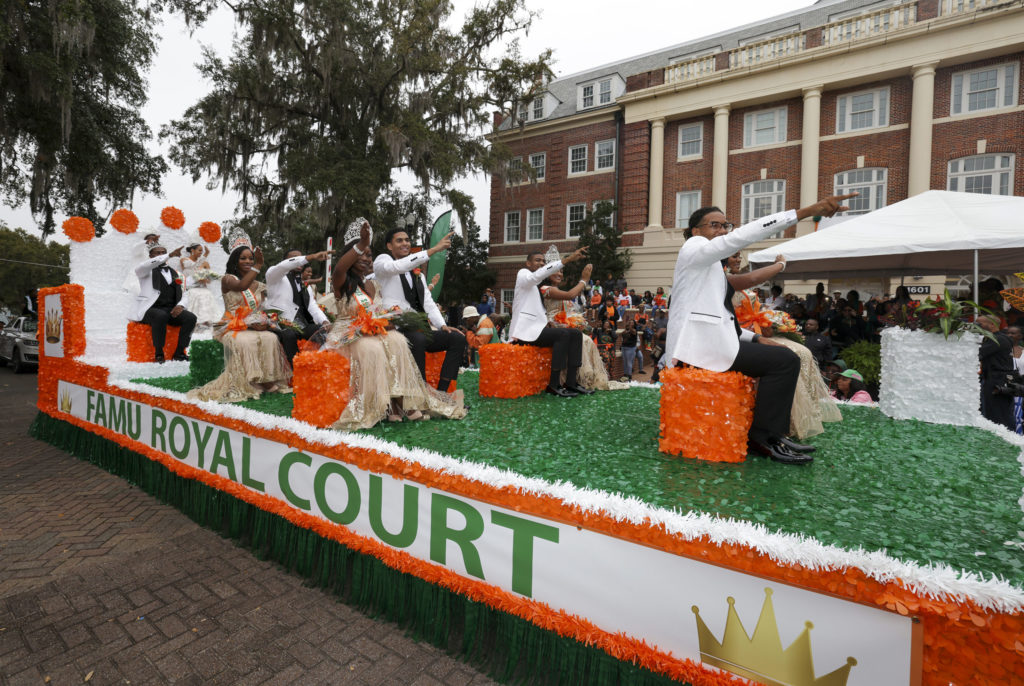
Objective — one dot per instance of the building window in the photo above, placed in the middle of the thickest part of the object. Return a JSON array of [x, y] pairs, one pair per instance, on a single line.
[[764, 127], [596, 93], [515, 171], [575, 215], [691, 140], [870, 183], [538, 162], [535, 224], [507, 295], [989, 174], [865, 110], [512, 227], [608, 221], [761, 198], [984, 89], [604, 151], [687, 202], [524, 113], [577, 159], [538, 108]]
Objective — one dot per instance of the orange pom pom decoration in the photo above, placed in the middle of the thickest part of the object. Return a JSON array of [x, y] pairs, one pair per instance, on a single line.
[[706, 414], [513, 371], [79, 229], [124, 221], [320, 382], [172, 217], [433, 368], [209, 232], [140, 342]]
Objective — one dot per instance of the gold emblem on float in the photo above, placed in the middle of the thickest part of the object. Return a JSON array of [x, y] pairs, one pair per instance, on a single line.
[[65, 401], [52, 325], [761, 657]]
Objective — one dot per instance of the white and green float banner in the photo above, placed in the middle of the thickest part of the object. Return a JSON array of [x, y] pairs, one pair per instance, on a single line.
[[618, 585]]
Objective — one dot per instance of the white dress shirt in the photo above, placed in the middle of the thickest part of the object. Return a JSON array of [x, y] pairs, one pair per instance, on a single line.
[[528, 314], [387, 271]]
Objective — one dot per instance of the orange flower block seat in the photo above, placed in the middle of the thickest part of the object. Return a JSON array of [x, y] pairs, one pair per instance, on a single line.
[[513, 371], [706, 415], [320, 380], [434, 362], [140, 342]]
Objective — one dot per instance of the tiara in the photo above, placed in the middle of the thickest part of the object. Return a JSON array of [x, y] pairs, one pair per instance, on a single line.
[[552, 255], [354, 230], [238, 238]]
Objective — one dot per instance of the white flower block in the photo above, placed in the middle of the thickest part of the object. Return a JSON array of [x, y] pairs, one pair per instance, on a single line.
[[927, 377]]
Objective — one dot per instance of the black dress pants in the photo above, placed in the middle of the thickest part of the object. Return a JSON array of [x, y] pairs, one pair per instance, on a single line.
[[452, 344], [566, 346], [158, 318], [996, 408], [289, 337], [776, 369]]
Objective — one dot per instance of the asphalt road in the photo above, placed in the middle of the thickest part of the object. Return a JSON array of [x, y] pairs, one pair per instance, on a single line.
[[101, 583]]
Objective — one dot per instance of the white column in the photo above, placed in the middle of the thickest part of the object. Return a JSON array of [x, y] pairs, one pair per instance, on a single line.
[[922, 104], [720, 162], [809, 193], [657, 166]]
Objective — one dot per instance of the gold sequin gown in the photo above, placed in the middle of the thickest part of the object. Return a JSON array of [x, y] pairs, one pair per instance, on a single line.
[[251, 357], [592, 373], [382, 368]]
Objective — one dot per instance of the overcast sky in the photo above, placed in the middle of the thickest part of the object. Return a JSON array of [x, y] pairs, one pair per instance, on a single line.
[[583, 35]]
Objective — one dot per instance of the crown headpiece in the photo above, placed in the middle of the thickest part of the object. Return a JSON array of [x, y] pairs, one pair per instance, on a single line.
[[552, 255], [52, 325], [352, 231], [761, 657], [238, 238]]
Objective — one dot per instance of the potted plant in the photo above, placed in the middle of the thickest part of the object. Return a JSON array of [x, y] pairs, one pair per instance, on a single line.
[[930, 368]]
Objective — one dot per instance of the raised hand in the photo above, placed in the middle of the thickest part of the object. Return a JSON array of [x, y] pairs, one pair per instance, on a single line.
[[826, 207], [585, 276], [578, 254], [442, 244], [257, 258], [319, 256], [364, 234]]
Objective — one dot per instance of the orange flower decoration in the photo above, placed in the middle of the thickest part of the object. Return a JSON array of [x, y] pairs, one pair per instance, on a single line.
[[124, 221], [209, 232], [513, 371], [140, 342], [368, 325], [750, 316], [321, 384], [172, 217], [433, 368], [236, 322], [705, 414], [79, 229]]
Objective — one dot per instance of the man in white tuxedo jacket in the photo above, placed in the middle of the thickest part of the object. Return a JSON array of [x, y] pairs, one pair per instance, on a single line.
[[287, 294], [529, 325], [402, 283], [162, 300], [703, 331]]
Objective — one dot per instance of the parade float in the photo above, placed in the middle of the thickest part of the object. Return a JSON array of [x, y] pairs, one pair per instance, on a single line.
[[551, 540]]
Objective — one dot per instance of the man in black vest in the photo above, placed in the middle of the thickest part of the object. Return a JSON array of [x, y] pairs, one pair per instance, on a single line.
[[401, 282], [162, 301], [288, 295]]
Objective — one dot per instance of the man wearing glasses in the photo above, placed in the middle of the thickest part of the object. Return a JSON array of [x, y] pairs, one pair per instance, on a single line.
[[703, 331]]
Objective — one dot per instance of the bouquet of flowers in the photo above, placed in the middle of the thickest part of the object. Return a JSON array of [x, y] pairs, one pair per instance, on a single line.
[[276, 321], [205, 274], [950, 317], [374, 322]]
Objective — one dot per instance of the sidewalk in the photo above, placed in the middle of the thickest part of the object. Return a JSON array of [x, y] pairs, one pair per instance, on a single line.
[[100, 582]]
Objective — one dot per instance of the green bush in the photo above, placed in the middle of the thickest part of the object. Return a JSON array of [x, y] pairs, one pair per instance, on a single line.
[[206, 361], [866, 358]]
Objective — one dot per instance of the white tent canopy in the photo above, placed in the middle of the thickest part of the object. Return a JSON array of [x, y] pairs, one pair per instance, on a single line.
[[936, 232]]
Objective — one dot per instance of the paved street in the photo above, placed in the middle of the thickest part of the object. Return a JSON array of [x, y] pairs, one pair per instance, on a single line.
[[101, 583]]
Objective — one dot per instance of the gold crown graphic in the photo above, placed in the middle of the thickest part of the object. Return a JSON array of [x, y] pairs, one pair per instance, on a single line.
[[65, 402], [53, 320], [761, 657]]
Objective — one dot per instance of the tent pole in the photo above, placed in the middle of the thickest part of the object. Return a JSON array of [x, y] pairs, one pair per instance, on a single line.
[[975, 277]]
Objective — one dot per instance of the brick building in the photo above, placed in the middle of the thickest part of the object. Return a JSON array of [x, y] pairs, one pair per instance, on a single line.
[[889, 99]]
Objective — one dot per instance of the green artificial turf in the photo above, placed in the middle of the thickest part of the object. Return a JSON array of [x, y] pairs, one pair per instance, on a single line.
[[924, 492]]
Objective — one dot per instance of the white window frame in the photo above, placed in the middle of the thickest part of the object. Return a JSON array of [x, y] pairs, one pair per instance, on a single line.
[[530, 214], [1001, 174], [750, 196], [569, 220], [524, 113], [750, 120], [541, 169], [880, 107], [507, 296], [518, 226], [1006, 87], [683, 218], [873, 192], [598, 156], [514, 176], [594, 94], [699, 140], [611, 217], [604, 91], [583, 159], [585, 96], [537, 108]]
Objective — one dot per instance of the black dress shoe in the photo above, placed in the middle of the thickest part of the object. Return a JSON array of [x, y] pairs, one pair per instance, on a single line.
[[579, 390], [159, 359], [780, 453], [797, 447], [180, 357], [560, 392]]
